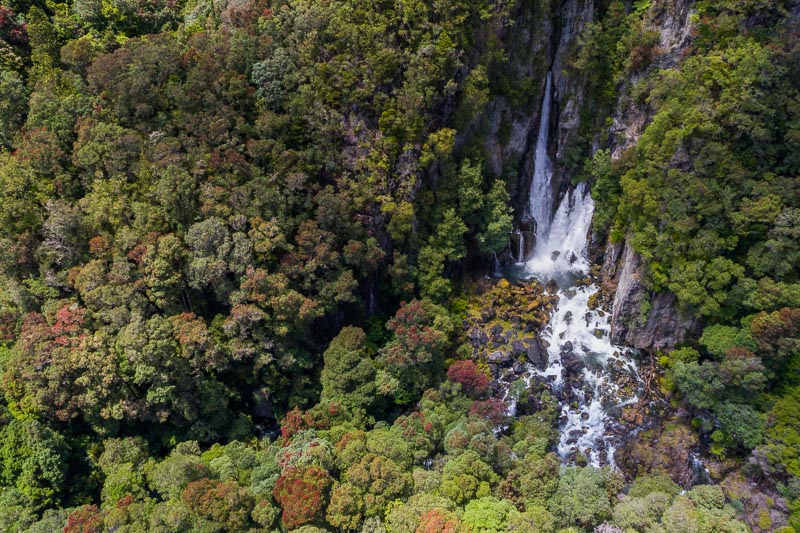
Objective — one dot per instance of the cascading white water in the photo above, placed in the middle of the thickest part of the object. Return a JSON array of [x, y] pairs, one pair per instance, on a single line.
[[589, 373], [562, 251], [541, 197]]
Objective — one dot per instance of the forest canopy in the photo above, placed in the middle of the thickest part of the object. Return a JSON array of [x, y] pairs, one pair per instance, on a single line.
[[240, 238]]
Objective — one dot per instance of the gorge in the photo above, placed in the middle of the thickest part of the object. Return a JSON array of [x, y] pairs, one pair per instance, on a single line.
[[411, 266], [583, 367]]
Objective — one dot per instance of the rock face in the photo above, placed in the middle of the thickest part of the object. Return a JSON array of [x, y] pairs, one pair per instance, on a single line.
[[673, 24], [622, 272], [663, 327]]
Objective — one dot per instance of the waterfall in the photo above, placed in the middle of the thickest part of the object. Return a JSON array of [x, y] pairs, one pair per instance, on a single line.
[[591, 378], [541, 197], [562, 252]]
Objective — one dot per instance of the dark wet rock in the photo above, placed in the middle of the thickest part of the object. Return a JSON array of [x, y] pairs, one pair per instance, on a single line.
[[519, 368], [552, 286], [496, 330], [478, 337], [537, 354], [488, 313], [499, 357], [518, 348], [572, 362], [262, 405], [568, 317]]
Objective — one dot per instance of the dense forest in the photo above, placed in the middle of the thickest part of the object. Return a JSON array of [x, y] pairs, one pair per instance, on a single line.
[[241, 241]]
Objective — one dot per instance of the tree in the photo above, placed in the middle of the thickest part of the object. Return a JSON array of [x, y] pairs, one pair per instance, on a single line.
[[466, 477], [446, 244], [475, 383], [535, 519], [381, 480], [500, 221], [487, 515], [408, 515], [34, 458], [782, 436], [302, 493], [642, 513], [532, 481], [440, 521], [346, 508], [581, 498], [223, 503], [85, 519], [348, 374], [170, 477], [414, 355], [13, 106], [122, 464]]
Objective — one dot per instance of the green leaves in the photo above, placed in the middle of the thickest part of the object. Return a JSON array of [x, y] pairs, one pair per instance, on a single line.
[[349, 372]]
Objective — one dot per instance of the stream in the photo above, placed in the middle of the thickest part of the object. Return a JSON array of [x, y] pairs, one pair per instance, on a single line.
[[591, 378]]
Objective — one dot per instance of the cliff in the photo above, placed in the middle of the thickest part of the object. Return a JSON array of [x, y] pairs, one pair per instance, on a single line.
[[641, 318]]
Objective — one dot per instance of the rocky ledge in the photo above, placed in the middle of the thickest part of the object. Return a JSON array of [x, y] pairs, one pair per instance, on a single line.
[[503, 325]]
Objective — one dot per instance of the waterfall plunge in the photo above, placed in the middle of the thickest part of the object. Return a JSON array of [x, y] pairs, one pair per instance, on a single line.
[[584, 368], [541, 197]]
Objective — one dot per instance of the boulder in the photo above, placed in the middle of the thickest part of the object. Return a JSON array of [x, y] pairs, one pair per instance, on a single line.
[[517, 349], [572, 362], [499, 357], [478, 337], [537, 354]]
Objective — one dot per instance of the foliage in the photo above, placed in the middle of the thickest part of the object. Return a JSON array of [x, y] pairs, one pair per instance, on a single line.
[[465, 372], [412, 359], [581, 498], [302, 493], [220, 215], [349, 372]]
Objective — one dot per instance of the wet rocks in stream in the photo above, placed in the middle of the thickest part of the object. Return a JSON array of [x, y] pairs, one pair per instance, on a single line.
[[503, 327]]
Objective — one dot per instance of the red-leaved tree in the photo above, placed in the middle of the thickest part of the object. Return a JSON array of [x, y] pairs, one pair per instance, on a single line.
[[474, 382], [302, 493]]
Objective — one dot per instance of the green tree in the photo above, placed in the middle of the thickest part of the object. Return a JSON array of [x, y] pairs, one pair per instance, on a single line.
[[487, 515], [499, 217], [34, 461], [348, 374], [13, 106], [581, 498], [413, 357], [381, 480]]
